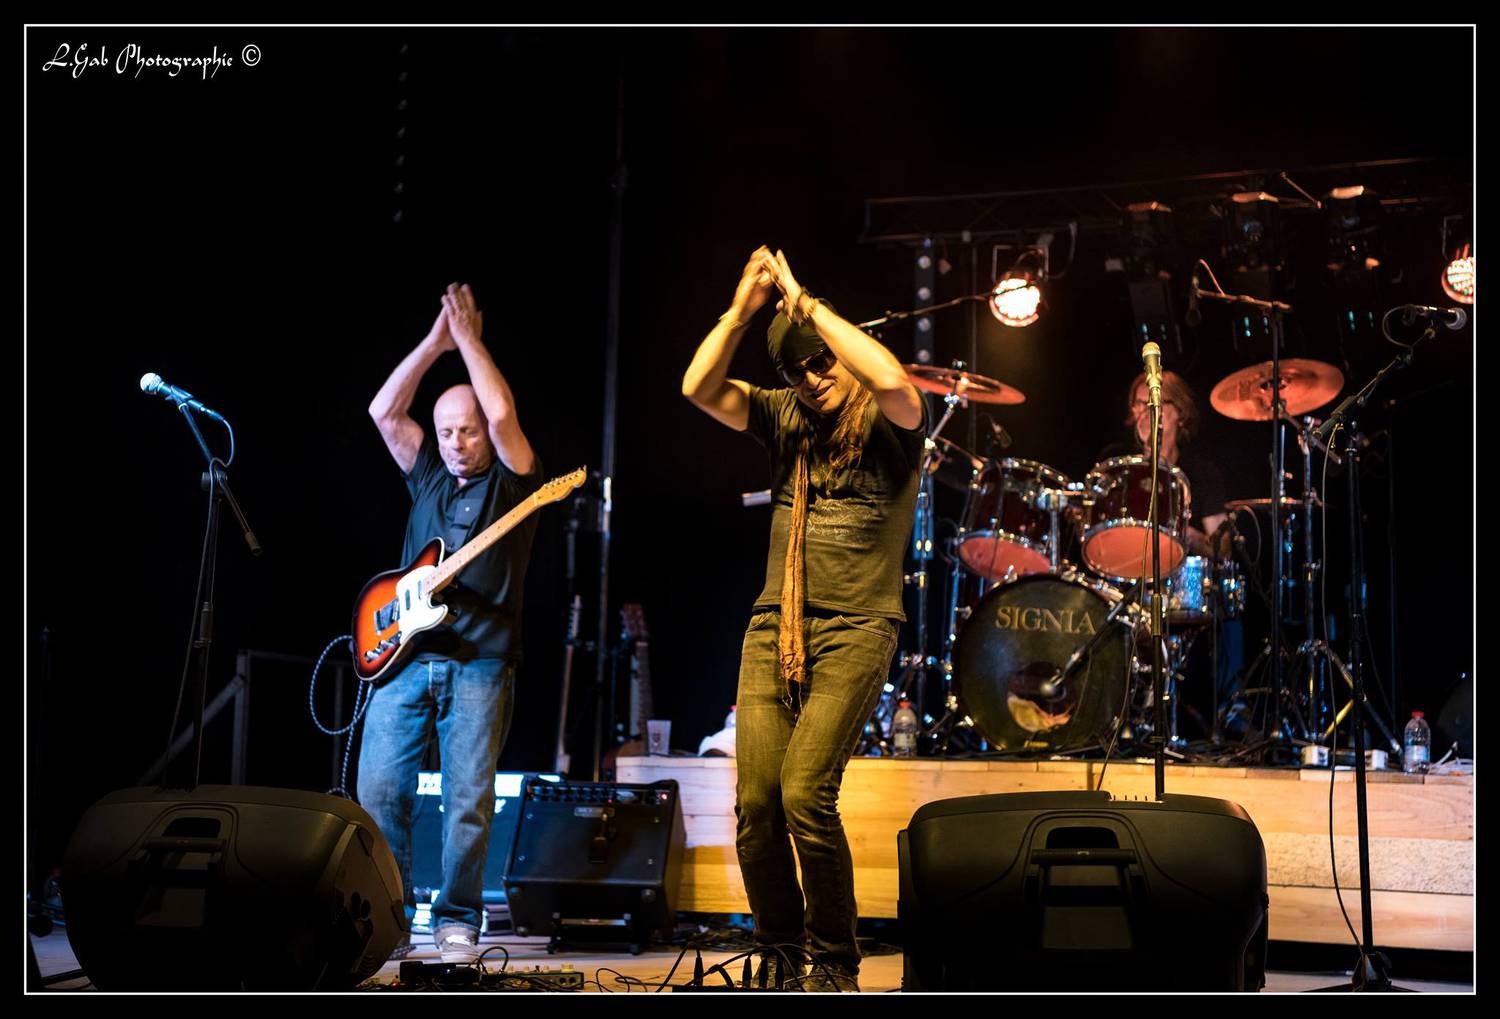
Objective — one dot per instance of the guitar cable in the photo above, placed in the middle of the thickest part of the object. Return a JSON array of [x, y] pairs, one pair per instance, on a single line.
[[362, 698]]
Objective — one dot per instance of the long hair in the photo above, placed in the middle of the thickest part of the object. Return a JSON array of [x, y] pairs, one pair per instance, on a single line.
[[844, 441], [1174, 389]]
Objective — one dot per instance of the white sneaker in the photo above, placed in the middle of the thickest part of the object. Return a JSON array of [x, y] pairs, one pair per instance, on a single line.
[[457, 944]]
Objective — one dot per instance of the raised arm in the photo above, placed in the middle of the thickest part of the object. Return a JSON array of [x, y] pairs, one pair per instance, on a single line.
[[466, 323], [867, 358], [390, 408], [706, 382]]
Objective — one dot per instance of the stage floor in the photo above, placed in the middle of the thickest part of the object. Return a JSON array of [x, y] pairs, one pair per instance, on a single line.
[[879, 973], [1421, 834]]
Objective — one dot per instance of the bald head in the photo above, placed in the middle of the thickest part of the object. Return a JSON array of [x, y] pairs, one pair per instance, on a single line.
[[463, 434]]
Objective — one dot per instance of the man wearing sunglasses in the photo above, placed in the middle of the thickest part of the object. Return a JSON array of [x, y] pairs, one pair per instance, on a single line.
[[845, 440]]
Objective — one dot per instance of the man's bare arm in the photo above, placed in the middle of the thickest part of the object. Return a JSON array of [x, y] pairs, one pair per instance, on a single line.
[[466, 323], [706, 382], [867, 358], [391, 406]]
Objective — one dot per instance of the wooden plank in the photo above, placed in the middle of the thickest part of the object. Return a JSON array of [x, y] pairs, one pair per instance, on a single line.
[[1399, 919]]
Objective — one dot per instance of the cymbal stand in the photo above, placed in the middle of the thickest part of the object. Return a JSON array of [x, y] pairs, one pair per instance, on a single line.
[[1274, 312], [1313, 651], [913, 683]]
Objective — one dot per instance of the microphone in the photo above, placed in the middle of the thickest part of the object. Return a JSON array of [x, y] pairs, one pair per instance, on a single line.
[[1151, 354], [1453, 318], [1194, 317], [153, 383]]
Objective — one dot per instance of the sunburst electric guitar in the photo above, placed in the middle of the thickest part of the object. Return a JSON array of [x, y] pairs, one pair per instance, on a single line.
[[397, 605]]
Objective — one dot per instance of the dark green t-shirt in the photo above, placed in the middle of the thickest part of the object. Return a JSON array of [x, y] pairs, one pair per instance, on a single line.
[[487, 593], [859, 520]]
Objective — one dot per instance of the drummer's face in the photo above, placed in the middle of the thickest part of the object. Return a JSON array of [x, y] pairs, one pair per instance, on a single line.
[[1140, 404]]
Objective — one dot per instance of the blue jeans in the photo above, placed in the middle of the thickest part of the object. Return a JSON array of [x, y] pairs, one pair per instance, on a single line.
[[791, 747], [469, 704]]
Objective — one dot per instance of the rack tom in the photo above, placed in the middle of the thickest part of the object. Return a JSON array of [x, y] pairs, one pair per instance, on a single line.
[[1117, 518], [1012, 519]]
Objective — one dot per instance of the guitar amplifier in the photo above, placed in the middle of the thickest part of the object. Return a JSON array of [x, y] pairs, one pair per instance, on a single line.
[[596, 863]]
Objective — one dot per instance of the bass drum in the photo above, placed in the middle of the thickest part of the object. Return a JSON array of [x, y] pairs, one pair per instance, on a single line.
[[1009, 659]]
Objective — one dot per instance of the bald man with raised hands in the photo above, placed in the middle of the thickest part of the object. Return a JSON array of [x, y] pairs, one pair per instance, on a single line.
[[459, 681]]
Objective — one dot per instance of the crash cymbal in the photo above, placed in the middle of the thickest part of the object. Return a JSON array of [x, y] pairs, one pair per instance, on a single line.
[[1305, 385], [979, 388]]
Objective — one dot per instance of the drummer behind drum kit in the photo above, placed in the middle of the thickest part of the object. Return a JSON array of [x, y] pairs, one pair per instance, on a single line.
[[1046, 654]]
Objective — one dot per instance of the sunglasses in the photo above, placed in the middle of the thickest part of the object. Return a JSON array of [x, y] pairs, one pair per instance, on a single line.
[[818, 364]]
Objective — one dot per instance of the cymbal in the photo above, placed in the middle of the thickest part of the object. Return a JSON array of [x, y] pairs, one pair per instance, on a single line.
[[1306, 385], [979, 388], [1287, 502]]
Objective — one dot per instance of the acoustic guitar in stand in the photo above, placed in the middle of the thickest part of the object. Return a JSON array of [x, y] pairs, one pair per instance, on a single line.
[[397, 605]]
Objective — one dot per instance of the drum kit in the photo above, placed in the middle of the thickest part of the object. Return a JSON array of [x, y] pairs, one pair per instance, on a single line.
[[1047, 646]]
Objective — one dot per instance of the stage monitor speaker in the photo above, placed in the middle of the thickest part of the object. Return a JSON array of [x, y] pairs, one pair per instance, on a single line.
[[1075, 891], [596, 863], [229, 888]]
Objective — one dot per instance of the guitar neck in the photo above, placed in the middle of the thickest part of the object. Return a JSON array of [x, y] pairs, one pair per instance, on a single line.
[[476, 547]]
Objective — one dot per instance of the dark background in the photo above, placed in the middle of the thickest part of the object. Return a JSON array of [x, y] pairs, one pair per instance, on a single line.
[[240, 236]]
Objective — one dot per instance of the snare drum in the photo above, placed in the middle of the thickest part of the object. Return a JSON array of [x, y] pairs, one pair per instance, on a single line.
[[1117, 518], [1012, 519]]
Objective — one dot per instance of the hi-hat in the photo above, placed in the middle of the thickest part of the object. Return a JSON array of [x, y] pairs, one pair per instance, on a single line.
[[1305, 385], [979, 388]]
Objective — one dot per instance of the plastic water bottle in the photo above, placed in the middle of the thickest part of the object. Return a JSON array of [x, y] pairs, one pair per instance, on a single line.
[[904, 730], [1418, 741]]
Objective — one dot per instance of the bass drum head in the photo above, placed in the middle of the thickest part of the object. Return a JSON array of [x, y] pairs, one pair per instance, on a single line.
[[1009, 659]]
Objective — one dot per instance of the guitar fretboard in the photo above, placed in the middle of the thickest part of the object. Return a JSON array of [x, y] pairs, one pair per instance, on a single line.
[[477, 546]]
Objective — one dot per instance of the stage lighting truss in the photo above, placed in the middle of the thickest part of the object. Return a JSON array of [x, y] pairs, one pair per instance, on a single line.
[[1017, 297], [1354, 243]]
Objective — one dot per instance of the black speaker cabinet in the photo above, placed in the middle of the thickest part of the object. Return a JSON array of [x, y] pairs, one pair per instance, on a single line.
[[1068, 891], [596, 863], [230, 887]]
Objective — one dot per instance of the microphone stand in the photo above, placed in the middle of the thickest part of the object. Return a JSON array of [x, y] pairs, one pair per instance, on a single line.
[[1372, 972], [901, 316], [1158, 596], [216, 482]]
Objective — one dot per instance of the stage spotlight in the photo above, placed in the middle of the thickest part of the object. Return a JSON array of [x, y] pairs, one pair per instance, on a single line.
[[1458, 277], [1017, 297], [1353, 229]]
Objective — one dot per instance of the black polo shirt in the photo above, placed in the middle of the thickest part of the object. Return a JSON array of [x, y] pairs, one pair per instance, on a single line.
[[487, 593]]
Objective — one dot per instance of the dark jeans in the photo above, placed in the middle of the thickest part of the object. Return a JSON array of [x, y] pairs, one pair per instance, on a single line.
[[791, 750], [469, 704]]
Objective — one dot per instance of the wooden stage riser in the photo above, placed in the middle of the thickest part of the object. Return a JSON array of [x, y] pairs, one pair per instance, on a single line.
[[1422, 834]]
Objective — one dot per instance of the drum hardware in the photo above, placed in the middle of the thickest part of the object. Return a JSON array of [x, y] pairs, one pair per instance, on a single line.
[[957, 386], [1269, 392]]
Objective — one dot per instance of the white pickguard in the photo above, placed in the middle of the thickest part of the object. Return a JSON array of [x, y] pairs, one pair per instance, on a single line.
[[417, 612]]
